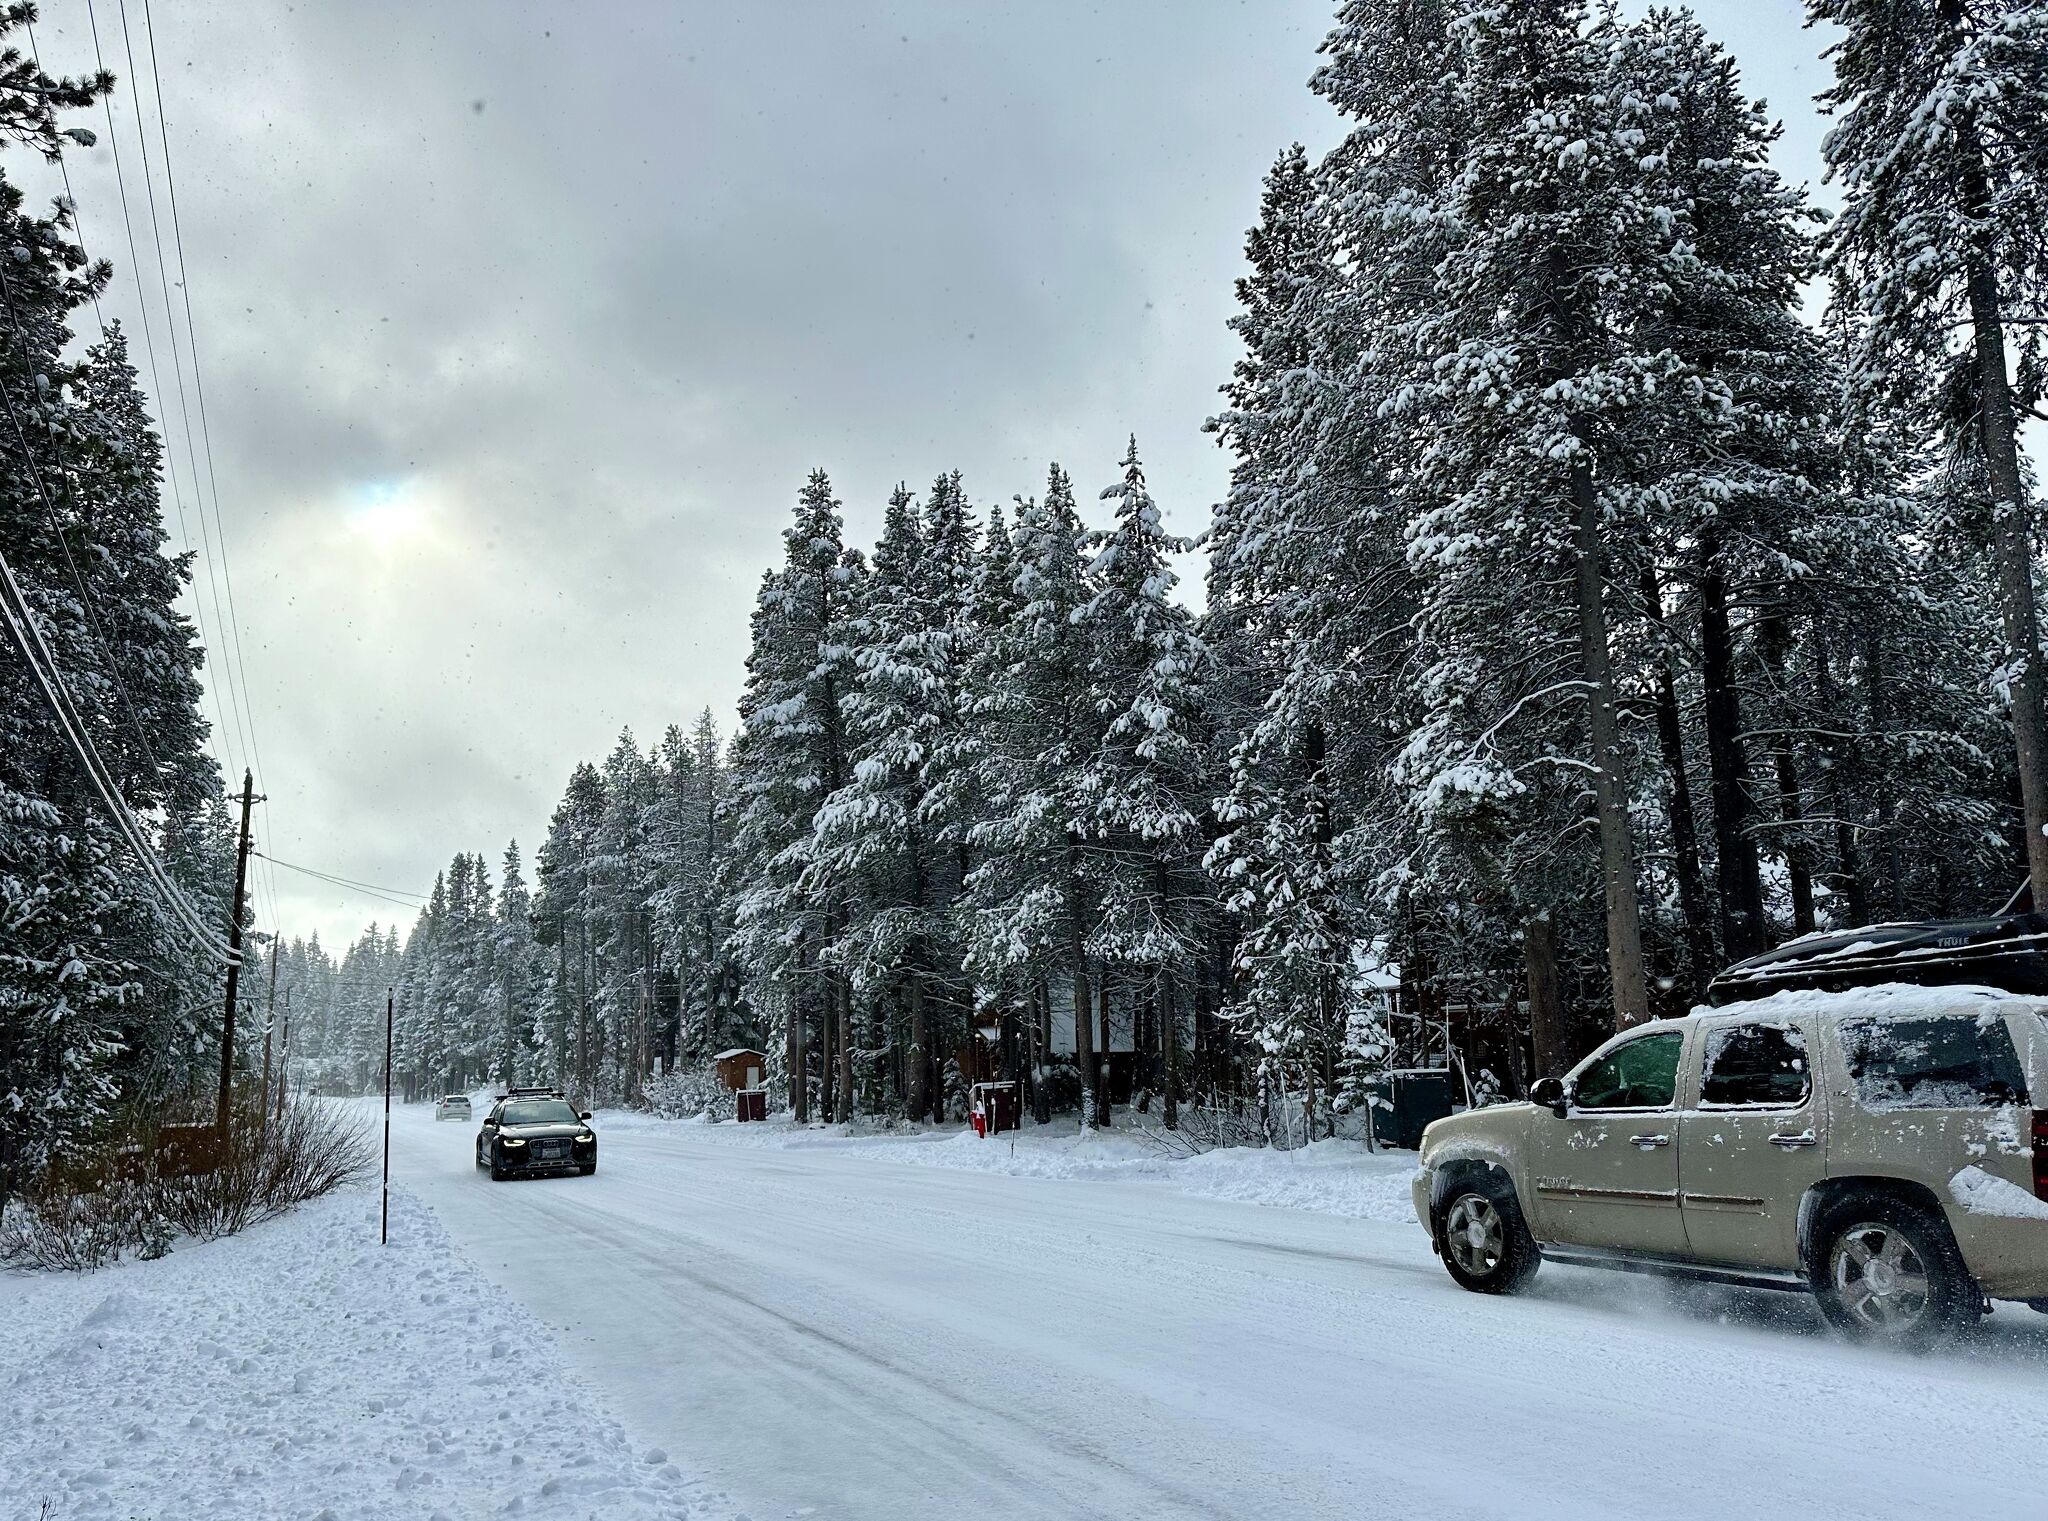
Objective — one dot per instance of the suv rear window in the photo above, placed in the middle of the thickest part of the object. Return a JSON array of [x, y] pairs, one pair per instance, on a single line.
[[1958, 1062], [1754, 1066]]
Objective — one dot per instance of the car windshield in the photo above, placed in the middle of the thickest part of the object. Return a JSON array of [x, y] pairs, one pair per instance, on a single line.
[[538, 1112]]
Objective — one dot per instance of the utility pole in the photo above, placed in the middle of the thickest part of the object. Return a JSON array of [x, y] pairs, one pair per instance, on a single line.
[[269, 1023], [227, 1029], [284, 1055], [384, 1222]]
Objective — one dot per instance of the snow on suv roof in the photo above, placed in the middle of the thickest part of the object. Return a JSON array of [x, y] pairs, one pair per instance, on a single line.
[[1898, 1000]]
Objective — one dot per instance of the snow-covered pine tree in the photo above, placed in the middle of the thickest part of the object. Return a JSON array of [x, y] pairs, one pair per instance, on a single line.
[[789, 757], [516, 973], [1143, 793], [87, 1000], [871, 834], [1939, 266], [1030, 901], [1543, 358]]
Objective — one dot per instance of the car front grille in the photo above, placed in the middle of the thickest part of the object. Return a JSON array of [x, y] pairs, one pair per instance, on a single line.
[[551, 1151]]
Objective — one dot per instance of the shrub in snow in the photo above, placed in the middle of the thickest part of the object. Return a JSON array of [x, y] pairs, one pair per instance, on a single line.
[[685, 1095], [134, 1193], [306, 1153]]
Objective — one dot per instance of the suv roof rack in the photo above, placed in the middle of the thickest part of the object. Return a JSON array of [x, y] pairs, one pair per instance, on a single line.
[[2008, 951]]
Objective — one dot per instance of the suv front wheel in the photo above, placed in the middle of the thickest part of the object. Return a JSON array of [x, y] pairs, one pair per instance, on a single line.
[[1485, 1242], [1887, 1270]]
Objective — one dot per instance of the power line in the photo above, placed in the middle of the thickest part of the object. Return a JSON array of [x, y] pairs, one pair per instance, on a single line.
[[218, 737], [30, 638], [85, 597], [396, 895], [254, 743], [217, 733]]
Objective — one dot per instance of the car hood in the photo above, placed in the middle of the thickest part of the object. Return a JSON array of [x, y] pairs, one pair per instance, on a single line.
[[1479, 1130]]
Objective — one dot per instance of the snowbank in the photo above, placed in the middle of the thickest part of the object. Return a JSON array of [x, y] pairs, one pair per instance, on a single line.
[[300, 1370], [1335, 1177]]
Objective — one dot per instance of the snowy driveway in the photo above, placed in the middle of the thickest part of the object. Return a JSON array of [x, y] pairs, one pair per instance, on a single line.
[[840, 1336]]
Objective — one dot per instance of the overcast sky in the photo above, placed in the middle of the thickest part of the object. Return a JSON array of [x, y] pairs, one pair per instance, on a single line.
[[522, 324]]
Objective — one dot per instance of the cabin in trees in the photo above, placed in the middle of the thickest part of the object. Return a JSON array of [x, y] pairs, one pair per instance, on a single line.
[[740, 1068]]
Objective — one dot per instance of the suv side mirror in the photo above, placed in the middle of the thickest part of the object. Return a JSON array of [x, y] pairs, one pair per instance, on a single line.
[[1548, 1093], [585, 1115]]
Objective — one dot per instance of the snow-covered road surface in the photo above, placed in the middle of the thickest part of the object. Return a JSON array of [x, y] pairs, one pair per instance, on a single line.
[[831, 1334]]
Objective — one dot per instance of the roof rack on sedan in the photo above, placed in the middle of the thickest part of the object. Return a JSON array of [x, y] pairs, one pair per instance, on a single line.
[[512, 1093]]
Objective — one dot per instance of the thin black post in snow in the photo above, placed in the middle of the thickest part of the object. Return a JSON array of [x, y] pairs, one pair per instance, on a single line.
[[384, 1221]]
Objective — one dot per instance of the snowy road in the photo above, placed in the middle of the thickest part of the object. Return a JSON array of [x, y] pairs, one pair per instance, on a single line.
[[839, 1336]]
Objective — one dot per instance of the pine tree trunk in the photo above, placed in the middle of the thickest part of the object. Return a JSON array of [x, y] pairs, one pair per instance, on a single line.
[[1685, 839], [1169, 1052], [1791, 796], [1084, 1037], [917, 1061], [845, 1105], [1877, 695], [1102, 1113], [1041, 1054], [2015, 573], [1549, 1040], [793, 1045], [1617, 848], [1740, 882]]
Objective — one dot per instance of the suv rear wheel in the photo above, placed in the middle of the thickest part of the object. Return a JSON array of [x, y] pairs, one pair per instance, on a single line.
[[1887, 1270], [1486, 1244]]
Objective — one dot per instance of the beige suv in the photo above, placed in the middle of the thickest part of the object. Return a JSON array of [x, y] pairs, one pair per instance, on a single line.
[[1878, 1148]]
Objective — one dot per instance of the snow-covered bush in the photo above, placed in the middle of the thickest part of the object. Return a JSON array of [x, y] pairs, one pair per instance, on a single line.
[[1062, 1083], [685, 1095]]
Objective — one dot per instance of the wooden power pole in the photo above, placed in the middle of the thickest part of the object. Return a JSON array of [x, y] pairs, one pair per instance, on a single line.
[[269, 1023], [227, 1029]]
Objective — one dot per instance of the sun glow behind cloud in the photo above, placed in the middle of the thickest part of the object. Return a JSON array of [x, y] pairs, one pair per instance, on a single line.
[[389, 514]]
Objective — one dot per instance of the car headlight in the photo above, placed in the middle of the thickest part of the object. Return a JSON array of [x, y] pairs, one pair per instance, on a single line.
[[585, 1137], [512, 1140]]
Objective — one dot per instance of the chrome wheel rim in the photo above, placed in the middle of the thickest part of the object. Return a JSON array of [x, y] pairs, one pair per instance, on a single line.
[[1474, 1235], [1880, 1279]]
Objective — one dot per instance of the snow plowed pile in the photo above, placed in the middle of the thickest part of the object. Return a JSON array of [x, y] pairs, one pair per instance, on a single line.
[[300, 1370]]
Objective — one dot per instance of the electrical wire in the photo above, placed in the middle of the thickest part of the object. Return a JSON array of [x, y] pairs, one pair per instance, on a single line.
[[395, 895], [85, 595], [29, 638], [216, 732], [234, 639]]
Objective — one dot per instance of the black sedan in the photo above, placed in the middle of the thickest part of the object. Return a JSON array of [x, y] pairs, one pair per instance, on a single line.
[[531, 1137]]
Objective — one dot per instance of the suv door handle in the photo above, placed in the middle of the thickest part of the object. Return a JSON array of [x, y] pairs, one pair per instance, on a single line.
[[1787, 1142], [1648, 1141]]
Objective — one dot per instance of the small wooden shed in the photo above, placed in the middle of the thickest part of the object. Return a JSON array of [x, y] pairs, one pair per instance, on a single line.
[[740, 1068]]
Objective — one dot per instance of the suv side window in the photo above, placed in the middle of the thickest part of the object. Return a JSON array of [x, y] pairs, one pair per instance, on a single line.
[[1642, 1074], [1755, 1066], [1954, 1062]]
